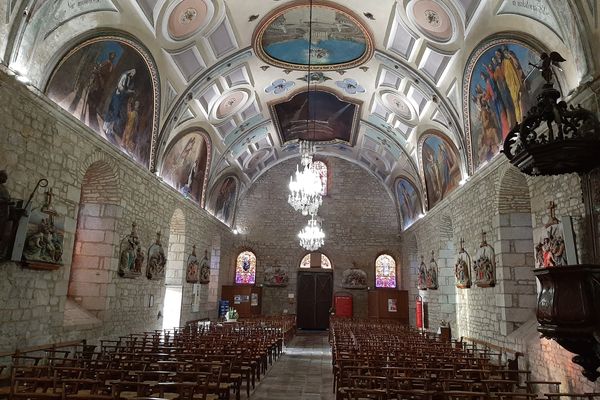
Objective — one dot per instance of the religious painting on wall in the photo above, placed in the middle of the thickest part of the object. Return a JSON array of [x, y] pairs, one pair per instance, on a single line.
[[157, 261], [409, 201], [500, 86], [338, 40], [204, 269], [245, 268], [225, 200], [316, 115], [131, 255], [441, 168], [549, 239], [385, 271], [276, 275], [192, 269], [462, 268], [354, 278], [111, 85], [185, 165], [484, 265], [431, 274]]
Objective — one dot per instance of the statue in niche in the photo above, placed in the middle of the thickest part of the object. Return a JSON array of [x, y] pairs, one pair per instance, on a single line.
[[354, 278], [45, 236], [462, 267], [204, 269], [421, 275], [276, 276], [192, 268], [485, 264], [550, 248], [431, 276], [131, 257], [156, 260]]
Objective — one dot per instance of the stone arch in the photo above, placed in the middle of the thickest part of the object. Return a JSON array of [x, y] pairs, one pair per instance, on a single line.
[[95, 238], [515, 280]]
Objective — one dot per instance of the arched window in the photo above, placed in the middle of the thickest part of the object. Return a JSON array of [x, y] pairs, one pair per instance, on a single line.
[[321, 168], [313, 260], [245, 268], [385, 271]]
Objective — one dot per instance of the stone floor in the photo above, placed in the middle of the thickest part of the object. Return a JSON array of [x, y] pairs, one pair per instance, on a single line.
[[302, 373]]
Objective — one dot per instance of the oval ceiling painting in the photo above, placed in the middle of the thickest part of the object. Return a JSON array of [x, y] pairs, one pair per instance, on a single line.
[[322, 36]]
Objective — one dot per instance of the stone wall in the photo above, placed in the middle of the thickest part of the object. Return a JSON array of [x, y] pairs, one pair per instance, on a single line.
[[360, 221], [101, 192]]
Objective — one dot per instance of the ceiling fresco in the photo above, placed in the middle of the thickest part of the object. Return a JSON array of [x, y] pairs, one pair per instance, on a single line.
[[410, 90]]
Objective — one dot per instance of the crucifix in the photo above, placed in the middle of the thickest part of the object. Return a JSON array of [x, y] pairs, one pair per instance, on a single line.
[[462, 245], [483, 238], [552, 209]]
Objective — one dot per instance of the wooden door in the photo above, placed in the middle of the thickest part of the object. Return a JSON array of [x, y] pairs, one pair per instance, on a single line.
[[315, 290]]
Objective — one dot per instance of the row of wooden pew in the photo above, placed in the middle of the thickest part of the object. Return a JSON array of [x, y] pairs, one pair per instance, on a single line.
[[201, 361], [384, 360]]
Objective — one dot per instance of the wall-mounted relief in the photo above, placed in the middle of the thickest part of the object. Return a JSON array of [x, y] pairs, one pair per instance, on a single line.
[[131, 255], [354, 278], [157, 261], [485, 264], [422, 275], [276, 275], [192, 267], [44, 237], [462, 267], [204, 269], [431, 277], [550, 248]]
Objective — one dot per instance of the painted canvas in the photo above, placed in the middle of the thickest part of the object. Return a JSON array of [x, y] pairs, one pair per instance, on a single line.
[[225, 201], [410, 203], [502, 87], [185, 165], [441, 168], [337, 39], [315, 115], [111, 86]]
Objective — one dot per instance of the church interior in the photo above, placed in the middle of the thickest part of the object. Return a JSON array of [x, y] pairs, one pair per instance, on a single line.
[[299, 199]]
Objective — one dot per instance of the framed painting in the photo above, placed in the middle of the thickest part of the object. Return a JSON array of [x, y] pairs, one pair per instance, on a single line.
[[408, 200], [185, 165], [316, 115], [110, 84], [500, 87], [338, 39], [440, 167]]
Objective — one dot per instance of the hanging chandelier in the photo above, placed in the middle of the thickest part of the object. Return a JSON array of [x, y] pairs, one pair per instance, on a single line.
[[312, 236], [305, 183]]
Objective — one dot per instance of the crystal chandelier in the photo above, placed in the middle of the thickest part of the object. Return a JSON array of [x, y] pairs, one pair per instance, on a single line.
[[305, 184], [312, 236]]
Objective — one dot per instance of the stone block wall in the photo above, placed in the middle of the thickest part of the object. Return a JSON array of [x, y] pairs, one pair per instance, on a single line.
[[359, 220], [38, 139]]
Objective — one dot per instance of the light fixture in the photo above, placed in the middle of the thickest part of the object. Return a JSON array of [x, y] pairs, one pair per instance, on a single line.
[[305, 185], [312, 236]]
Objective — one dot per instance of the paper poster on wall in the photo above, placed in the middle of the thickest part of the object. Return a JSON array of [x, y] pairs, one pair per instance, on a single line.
[[245, 298], [392, 305], [237, 299], [254, 299]]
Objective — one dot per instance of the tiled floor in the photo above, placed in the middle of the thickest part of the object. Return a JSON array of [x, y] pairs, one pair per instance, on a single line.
[[302, 373]]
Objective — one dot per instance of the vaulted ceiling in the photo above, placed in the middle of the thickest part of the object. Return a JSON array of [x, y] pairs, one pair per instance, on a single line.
[[214, 78]]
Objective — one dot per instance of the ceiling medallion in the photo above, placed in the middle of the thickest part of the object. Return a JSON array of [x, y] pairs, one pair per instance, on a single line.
[[188, 15], [338, 39], [433, 18]]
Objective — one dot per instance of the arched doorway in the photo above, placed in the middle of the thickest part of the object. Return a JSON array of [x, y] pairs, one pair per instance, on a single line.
[[315, 291], [174, 272]]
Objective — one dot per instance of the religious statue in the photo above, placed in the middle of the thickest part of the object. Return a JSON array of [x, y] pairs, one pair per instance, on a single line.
[[131, 256], [156, 260], [431, 275], [204, 269], [462, 267], [193, 267], [547, 61], [485, 264], [421, 275], [550, 245]]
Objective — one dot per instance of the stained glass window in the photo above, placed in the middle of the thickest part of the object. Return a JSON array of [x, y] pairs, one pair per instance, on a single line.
[[385, 271], [245, 268], [306, 261], [321, 168]]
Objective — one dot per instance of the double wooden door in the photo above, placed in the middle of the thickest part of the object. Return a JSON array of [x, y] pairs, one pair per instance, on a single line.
[[315, 291]]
